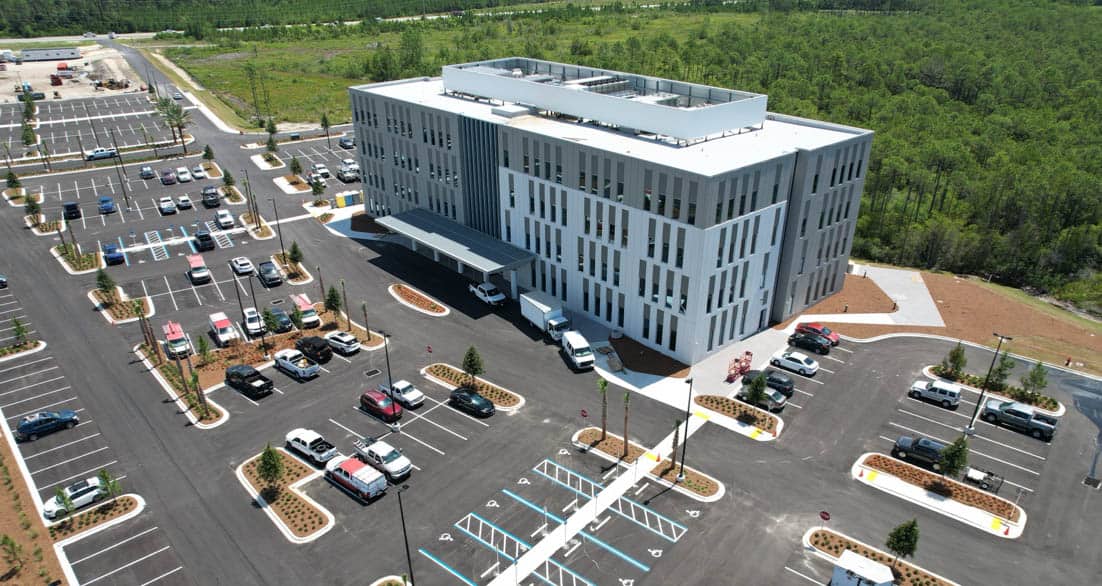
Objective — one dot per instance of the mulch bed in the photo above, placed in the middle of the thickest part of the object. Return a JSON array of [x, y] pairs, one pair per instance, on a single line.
[[739, 410], [265, 230], [294, 271], [296, 182], [20, 521], [1011, 392], [233, 195], [324, 218], [212, 170], [417, 298], [497, 395], [208, 415], [665, 469], [639, 358], [96, 515], [300, 516], [87, 260], [906, 574], [16, 348], [946, 487], [120, 309]]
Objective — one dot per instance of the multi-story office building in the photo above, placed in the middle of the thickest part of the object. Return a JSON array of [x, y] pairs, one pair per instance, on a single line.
[[687, 216]]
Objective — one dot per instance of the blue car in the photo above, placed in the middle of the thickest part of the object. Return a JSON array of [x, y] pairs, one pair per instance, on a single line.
[[107, 205], [39, 424], [112, 255]]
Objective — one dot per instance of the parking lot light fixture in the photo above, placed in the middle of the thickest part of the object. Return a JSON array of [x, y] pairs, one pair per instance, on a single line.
[[367, 328], [971, 429], [685, 442], [279, 230], [386, 352], [405, 537], [263, 331]]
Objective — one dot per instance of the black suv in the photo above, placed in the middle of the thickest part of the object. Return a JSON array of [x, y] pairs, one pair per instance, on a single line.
[[773, 379], [283, 321], [268, 273], [315, 348], [249, 381], [922, 451], [70, 210], [203, 240], [810, 342], [210, 197]]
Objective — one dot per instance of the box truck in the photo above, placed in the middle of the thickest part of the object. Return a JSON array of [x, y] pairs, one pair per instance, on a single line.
[[544, 312]]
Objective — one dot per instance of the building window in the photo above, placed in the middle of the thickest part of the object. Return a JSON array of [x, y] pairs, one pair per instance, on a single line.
[[620, 311], [673, 333], [585, 295], [659, 318], [815, 184], [646, 321]]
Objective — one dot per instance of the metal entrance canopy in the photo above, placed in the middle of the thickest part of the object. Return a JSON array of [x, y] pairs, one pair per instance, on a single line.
[[467, 246]]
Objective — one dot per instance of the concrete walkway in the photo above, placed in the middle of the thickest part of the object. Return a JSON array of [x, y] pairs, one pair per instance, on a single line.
[[906, 288]]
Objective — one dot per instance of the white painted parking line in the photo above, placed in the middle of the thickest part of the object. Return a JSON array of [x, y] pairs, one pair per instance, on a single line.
[[40, 408], [977, 436], [276, 389], [171, 296], [91, 470], [38, 396], [789, 402], [489, 569], [25, 387], [110, 547], [421, 416], [323, 369], [29, 374], [73, 459], [334, 422], [404, 434], [803, 392], [804, 576], [164, 575], [87, 437], [841, 349], [125, 566], [25, 323], [448, 405], [834, 359], [970, 449], [826, 370], [808, 379]]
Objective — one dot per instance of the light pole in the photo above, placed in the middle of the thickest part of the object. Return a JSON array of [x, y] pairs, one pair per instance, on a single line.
[[263, 330], [279, 229], [685, 441], [405, 538], [971, 429], [386, 352]]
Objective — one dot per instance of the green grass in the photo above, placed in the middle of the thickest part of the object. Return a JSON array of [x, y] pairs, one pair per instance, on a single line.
[[220, 108], [15, 45]]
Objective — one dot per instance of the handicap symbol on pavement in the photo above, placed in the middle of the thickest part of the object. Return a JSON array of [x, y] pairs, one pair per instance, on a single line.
[[627, 581], [693, 513], [492, 504], [445, 537], [523, 481], [564, 452], [655, 553]]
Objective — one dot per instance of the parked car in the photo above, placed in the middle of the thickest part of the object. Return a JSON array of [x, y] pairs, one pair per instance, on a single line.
[[211, 198], [112, 255], [100, 153], [316, 178], [343, 342], [796, 362], [487, 292], [922, 451], [254, 326], [147, 172], [296, 364], [81, 494], [356, 478], [3, 282], [249, 381], [168, 177], [70, 210], [283, 321], [347, 142], [468, 400], [381, 406], [242, 265], [315, 348], [774, 379], [204, 241], [222, 329], [813, 342], [269, 274], [383, 457], [198, 172], [166, 205], [772, 400], [1021, 417], [819, 330], [320, 169], [177, 96], [938, 391], [107, 205], [183, 175], [184, 202], [42, 423], [309, 443], [224, 219], [404, 392]]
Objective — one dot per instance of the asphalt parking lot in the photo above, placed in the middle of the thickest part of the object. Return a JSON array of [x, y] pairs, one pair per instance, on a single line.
[[70, 126], [135, 552]]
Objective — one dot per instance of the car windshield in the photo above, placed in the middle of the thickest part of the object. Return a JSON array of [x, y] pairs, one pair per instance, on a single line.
[[808, 361], [309, 312], [583, 351], [225, 330], [385, 402], [391, 456], [825, 330], [177, 343]]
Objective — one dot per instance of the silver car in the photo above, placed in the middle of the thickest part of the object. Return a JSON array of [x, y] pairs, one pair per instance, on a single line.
[[81, 494]]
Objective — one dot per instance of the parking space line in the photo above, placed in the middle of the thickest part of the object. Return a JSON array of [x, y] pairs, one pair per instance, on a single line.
[[29, 374], [405, 434], [804, 576], [78, 475], [37, 409], [803, 392], [444, 403], [834, 359], [123, 567], [825, 370], [1009, 447], [25, 387], [334, 422], [809, 379], [164, 575], [970, 450], [38, 396], [17, 366], [841, 349], [73, 459], [789, 402], [421, 415], [171, 296], [87, 437], [217, 288], [195, 291], [1025, 488]]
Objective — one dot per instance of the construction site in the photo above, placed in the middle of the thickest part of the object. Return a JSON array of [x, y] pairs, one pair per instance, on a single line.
[[97, 71]]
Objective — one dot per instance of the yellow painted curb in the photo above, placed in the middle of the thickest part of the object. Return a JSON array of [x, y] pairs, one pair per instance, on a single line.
[[996, 524], [754, 434], [873, 474], [650, 456]]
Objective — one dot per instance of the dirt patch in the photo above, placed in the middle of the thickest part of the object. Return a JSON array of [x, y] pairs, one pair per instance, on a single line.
[[639, 358], [740, 411], [971, 310], [95, 516], [300, 516], [858, 295], [20, 521], [833, 544], [497, 395], [361, 222], [666, 469], [943, 486]]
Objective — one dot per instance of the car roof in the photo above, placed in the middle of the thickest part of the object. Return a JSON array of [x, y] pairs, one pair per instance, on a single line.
[[242, 368], [377, 395]]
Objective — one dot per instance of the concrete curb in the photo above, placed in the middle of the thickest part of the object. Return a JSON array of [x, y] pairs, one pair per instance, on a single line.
[[510, 410], [38, 348], [286, 186], [36, 231], [68, 269], [179, 401], [806, 540], [225, 190], [649, 454], [309, 278], [123, 298], [249, 231], [294, 488], [929, 373], [398, 297], [263, 165], [969, 515], [59, 547], [751, 431]]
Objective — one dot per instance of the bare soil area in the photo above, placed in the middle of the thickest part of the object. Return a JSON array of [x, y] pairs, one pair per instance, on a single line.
[[639, 358], [858, 295], [103, 63]]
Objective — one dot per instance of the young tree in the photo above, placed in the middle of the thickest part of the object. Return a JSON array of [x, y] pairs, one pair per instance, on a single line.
[[602, 387], [269, 320], [325, 127], [18, 331], [954, 457], [270, 127], [270, 468], [1000, 373], [472, 364], [13, 553], [109, 484], [271, 145], [316, 187], [903, 540], [295, 254], [227, 178], [296, 166], [13, 180], [953, 364], [1035, 381], [296, 318], [333, 299], [32, 208], [203, 348], [627, 399], [208, 153], [28, 135], [755, 393], [106, 286], [64, 499]]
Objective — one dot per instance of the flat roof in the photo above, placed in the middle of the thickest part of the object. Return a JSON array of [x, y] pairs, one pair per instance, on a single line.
[[776, 136], [466, 245]]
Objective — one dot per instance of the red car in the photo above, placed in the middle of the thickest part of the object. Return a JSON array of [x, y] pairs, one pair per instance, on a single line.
[[819, 330], [380, 406]]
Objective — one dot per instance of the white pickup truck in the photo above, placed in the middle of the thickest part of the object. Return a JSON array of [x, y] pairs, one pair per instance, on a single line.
[[309, 443], [295, 364], [488, 293], [384, 457], [404, 392], [223, 329]]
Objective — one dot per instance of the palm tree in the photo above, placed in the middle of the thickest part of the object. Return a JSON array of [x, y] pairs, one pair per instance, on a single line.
[[627, 398], [178, 118], [325, 127]]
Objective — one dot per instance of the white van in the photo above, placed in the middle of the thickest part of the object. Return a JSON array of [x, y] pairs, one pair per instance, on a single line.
[[577, 350]]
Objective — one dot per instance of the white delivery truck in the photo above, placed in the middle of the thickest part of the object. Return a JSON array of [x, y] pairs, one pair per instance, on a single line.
[[544, 312], [577, 350]]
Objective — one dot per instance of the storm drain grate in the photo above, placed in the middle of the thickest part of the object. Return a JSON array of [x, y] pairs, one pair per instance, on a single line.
[[372, 372], [1092, 482]]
